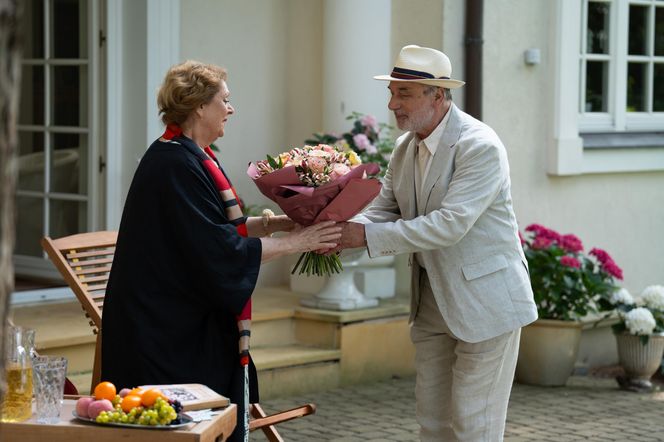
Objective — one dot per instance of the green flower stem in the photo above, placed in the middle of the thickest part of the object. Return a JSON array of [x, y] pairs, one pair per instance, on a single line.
[[319, 265]]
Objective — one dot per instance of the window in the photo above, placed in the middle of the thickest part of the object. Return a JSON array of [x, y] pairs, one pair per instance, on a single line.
[[609, 87], [56, 127], [622, 66]]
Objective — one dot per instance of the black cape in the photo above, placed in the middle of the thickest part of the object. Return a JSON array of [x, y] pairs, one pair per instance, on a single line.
[[180, 275]]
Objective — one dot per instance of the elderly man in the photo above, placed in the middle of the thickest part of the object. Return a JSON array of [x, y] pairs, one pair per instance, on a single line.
[[446, 201]]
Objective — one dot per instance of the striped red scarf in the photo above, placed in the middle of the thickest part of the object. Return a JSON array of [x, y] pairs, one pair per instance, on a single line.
[[229, 198]]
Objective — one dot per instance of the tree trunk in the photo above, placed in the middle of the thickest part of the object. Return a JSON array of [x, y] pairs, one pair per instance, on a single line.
[[10, 71]]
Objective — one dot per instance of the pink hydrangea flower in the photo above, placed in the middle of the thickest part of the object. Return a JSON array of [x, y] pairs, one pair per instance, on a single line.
[[541, 231], [371, 149], [612, 269], [370, 121], [542, 243], [361, 141], [571, 243], [601, 255], [570, 261]]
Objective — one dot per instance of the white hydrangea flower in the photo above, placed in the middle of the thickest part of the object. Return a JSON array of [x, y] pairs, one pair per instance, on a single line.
[[653, 297], [640, 321], [622, 296]]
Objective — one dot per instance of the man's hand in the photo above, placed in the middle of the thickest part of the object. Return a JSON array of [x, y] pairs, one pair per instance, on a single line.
[[352, 236]]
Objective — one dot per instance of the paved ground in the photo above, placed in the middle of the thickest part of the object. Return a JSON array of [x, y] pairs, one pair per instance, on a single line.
[[588, 408]]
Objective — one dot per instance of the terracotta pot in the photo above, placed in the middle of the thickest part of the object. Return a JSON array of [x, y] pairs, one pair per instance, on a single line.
[[547, 352], [640, 361]]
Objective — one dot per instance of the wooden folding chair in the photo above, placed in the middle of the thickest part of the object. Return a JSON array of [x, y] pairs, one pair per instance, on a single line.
[[84, 261]]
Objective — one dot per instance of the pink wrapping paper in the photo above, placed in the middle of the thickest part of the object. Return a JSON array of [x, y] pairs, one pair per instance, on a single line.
[[338, 200]]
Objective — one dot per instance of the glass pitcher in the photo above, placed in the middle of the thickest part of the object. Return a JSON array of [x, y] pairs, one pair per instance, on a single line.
[[17, 404]]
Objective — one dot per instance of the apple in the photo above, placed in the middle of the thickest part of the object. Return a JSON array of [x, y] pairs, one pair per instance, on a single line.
[[97, 407], [82, 406], [124, 392]]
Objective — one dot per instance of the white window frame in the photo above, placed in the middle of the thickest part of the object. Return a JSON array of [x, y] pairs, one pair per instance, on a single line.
[[565, 152], [41, 267]]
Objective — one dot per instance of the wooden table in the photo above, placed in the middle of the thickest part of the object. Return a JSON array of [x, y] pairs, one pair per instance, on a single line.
[[70, 429]]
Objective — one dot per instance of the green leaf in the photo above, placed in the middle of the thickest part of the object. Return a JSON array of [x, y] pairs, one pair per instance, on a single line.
[[272, 162]]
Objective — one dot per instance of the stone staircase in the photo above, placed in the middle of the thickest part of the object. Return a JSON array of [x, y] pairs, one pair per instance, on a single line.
[[296, 350]]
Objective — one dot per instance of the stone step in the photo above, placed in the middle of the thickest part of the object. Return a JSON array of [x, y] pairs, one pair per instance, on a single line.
[[295, 369], [282, 371], [269, 358]]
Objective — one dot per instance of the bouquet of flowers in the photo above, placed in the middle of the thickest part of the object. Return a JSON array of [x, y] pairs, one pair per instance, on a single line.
[[371, 141], [566, 283], [641, 316], [313, 184]]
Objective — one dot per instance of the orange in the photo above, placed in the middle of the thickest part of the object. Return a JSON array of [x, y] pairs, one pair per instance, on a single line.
[[130, 401], [138, 391], [105, 390], [150, 397]]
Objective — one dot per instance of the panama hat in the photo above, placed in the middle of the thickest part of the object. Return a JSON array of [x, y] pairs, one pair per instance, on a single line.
[[422, 65]]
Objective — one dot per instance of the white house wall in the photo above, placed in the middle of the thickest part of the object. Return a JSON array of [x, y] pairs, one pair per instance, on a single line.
[[619, 212]]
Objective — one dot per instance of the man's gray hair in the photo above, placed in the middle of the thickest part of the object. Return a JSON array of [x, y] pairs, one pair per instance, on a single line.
[[428, 90]]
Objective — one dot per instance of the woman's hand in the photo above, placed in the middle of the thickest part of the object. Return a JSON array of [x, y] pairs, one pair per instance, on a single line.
[[319, 236], [281, 223], [323, 235]]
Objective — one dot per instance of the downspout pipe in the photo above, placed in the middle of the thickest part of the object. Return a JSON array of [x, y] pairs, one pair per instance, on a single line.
[[473, 57]]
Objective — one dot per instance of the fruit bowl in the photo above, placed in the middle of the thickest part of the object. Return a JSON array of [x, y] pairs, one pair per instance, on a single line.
[[182, 421]]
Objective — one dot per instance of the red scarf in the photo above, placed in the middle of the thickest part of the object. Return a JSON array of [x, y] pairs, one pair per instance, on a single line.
[[232, 204]]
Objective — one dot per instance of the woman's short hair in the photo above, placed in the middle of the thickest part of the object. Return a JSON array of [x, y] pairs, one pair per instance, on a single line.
[[186, 86]]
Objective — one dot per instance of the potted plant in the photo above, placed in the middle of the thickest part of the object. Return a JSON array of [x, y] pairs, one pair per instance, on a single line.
[[372, 141], [567, 285], [639, 335]]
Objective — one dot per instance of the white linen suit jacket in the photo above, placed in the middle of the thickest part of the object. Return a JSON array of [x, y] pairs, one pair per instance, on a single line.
[[463, 226]]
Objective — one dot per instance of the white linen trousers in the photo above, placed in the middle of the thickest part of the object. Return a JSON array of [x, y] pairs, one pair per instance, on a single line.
[[462, 389]]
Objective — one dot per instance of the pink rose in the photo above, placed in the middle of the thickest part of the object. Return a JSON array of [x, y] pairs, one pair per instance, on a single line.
[[317, 164], [339, 170]]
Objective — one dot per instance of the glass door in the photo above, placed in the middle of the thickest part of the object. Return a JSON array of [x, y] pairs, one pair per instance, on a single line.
[[57, 171]]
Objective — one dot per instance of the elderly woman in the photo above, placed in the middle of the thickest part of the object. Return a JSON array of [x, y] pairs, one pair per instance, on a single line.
[[187, 260]]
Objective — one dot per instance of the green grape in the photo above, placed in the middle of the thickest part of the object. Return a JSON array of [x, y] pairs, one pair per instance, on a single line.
[[116, 400], [153, 421], [124, 418]]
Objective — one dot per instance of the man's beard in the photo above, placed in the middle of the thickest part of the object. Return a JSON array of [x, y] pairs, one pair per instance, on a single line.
[[418, 120]]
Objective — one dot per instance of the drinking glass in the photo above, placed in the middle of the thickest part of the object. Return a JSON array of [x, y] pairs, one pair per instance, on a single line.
[[49, 384]]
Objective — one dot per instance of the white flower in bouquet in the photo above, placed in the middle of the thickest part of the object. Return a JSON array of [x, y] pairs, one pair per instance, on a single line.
[[653, 297], [622, 296], [640, 321]]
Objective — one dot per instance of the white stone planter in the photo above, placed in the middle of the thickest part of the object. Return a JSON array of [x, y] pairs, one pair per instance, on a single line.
[[361, 283], [639, 361]]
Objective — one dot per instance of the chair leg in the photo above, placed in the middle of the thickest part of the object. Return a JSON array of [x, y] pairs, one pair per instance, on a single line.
[[96, 368], [270, 431]]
